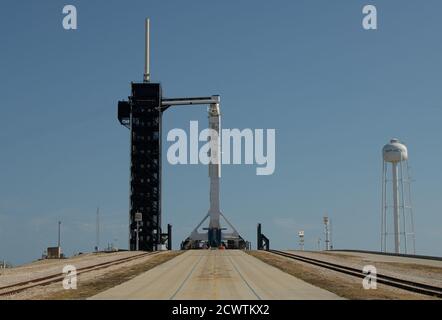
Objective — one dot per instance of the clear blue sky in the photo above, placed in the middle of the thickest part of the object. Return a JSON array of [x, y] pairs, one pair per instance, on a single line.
[[334, 93]]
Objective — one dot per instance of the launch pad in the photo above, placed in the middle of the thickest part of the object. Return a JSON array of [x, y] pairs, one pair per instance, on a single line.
[[142, 115]]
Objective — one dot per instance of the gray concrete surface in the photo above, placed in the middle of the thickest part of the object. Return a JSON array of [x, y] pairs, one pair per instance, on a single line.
[[215, 274]]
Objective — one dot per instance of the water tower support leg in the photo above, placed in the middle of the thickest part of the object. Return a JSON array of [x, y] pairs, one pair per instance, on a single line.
[[396, 209]]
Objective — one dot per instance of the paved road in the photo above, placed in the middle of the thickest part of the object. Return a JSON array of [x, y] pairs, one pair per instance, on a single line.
[[215, 274]]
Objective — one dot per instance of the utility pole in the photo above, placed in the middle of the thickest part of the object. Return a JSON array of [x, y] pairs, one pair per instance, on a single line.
[[59, 234], [327, 233], [97, 243], [331, 235]]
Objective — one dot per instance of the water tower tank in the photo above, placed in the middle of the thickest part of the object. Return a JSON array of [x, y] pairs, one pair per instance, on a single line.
[[395, 151]]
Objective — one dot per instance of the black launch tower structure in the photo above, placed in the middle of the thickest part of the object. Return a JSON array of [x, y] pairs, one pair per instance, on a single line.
[[142, 115]]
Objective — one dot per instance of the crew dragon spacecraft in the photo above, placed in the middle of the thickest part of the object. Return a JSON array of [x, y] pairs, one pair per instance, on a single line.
[[214, 237]]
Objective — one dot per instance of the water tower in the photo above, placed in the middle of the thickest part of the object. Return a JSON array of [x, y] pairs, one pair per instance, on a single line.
[[396, 154]]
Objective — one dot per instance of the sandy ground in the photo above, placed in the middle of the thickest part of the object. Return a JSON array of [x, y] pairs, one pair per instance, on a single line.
[[49, 267], [342, 285], [419, 270], [88, 283], [213, 275]]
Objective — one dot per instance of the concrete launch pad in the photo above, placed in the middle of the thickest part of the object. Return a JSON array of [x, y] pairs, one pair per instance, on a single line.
[[215, 274]]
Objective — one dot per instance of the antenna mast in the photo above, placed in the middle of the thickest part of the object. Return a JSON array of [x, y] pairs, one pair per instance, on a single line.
[[146, 77]]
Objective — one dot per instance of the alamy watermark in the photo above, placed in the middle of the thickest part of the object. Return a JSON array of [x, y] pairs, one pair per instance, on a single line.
[[70, 19], [247, 146], [370, 20], [70, 278], [370, 280]]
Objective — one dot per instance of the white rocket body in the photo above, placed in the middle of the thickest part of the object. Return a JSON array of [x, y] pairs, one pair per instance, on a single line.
[[215, 234], [214, 166]]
